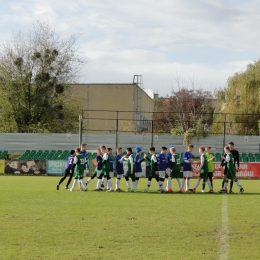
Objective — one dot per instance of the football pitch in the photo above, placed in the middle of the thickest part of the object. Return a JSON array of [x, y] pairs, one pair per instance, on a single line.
[[39, 222]]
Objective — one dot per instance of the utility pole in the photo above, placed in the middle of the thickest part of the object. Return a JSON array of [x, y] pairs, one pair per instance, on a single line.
[[80, 130]]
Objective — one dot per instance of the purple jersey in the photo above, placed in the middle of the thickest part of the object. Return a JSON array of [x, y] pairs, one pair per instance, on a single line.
[[70, 162]]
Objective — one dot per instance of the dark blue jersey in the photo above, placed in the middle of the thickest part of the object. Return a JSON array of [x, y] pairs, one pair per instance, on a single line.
[[111, 160], [70, 162], [137, 162], [162, 162], [169, 161], [119, 164], [187, 157], [99, 162], [85, 155]]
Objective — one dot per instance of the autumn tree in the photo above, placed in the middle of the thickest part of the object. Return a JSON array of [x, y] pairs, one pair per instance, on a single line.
[[36, 68], [239, 102], [187, 111]]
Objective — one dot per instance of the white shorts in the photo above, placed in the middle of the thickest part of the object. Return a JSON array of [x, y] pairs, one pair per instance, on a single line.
[[120, 175], [168, 170], [162, 174], [98, 173], [187, 174], [111, 174], [138, 174]]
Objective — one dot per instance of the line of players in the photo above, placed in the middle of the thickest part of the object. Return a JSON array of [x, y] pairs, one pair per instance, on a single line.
[[163, 166]]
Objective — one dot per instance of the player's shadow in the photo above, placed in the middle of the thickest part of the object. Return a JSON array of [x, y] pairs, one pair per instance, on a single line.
[[193, 194]]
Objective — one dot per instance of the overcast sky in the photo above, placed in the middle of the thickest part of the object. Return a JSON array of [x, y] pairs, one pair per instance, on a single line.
[[203, 40]]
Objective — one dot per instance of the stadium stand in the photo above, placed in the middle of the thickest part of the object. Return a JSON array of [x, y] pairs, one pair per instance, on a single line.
[[3, 154], [45, 155]]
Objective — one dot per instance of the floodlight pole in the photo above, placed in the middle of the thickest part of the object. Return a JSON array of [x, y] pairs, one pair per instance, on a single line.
[[224, 130], [152, 134], [224, 139], [116, 129], [80, 130]]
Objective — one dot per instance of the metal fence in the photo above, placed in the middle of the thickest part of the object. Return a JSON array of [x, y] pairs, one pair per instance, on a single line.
[[161, 123], [111, 121], [19, 142]]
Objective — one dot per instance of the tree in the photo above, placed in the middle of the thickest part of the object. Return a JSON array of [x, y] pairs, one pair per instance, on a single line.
[[188, 112], [35, 70], [240, 100]]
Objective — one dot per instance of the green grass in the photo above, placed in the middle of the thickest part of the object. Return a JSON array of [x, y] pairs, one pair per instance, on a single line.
[[39, 222]]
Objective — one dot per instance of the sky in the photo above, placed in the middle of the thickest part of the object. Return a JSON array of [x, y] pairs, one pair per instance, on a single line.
[[196, 43]]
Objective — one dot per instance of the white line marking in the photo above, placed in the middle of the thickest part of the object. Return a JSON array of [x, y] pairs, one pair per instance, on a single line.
[[224, 233]]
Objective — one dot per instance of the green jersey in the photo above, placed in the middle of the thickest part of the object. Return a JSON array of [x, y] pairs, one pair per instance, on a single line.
[[79, 160], [210, 158], [105, 164], [153, 163], [230, 163], [130, 163], [204, 163], [177, 163]]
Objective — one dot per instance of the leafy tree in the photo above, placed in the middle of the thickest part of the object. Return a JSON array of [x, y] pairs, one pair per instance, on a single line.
[[36, 68], [240, 100]]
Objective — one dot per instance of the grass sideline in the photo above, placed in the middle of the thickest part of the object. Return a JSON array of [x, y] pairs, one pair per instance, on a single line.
[[39, 222]]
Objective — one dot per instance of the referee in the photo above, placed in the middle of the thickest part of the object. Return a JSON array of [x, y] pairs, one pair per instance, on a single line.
[[235, 154]]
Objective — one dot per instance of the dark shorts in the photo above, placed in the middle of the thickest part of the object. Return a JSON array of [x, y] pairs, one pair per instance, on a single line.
[[106, 173], [210, 174], [67, 172], [225, 171], [175, 174], [153, 175], [129, 175], [231, 175], [204, 175]]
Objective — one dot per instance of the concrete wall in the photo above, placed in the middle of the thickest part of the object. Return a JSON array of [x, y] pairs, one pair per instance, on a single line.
[[21, 142], [112, 97]]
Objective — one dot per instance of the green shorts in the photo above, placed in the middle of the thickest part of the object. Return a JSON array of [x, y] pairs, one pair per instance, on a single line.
[[153, 175], [79, 175], [204, 175], [231, 175], [129, 175], [175, 174], [105, 173]]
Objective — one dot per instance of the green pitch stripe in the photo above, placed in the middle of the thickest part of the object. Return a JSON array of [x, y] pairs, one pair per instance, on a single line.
[[224, 233]]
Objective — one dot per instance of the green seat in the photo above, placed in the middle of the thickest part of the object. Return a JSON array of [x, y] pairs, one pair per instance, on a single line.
[[244, 159]]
